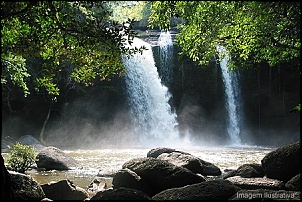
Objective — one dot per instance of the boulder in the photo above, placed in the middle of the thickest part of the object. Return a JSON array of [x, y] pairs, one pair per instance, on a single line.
[[127, 178], [247, 170], [256, 183], [208, 190], [52, 158], [294, 183], [184, 159], [158, 151], [64, 190], [120, 193], [194, 164], [161, 174], [25, 187], [283, 163]]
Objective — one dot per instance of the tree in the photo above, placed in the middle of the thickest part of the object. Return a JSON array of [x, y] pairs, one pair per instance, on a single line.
[[48, 46], [252, 31], [21, 157], [73, 39]]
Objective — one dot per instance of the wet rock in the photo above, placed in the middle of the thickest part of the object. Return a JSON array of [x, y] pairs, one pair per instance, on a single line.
[[247, 170], [64, 190], [128, 178], [158, 151], [256, 183], [52, 158], [161, 174], [121, 193], [186, 160], [194, 164], [208, 190], [283, 163], [25, 187]]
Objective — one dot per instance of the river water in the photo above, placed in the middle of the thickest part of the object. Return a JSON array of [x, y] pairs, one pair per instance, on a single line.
[[110, 160]]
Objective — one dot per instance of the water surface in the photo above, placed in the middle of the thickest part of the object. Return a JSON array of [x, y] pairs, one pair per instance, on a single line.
[[110, 160]]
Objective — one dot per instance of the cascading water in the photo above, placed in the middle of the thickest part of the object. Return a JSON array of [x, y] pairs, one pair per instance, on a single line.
[[154, 122], [232, 92], [165, 69]]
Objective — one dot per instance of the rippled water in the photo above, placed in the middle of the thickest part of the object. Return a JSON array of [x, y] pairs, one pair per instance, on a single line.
[[109, 160]]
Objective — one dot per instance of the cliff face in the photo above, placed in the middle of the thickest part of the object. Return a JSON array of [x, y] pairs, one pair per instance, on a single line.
[[267, 97]]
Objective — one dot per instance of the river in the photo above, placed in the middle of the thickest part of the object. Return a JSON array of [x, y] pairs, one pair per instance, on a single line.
[[110, 160]]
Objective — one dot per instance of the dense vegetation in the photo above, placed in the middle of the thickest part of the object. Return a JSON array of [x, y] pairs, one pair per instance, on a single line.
[[79, 42], [74, 42], [252, 31]]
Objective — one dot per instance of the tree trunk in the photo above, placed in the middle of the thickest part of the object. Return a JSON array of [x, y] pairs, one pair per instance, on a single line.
[[44, 124]]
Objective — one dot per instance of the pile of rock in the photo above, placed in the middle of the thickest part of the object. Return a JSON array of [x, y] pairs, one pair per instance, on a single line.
[[167, 174]]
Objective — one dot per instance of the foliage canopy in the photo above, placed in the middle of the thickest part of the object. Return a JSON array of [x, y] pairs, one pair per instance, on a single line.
[[251, 31], [74, 40]]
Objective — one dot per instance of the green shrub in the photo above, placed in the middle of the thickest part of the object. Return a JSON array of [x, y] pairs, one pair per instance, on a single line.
[[21, 157]]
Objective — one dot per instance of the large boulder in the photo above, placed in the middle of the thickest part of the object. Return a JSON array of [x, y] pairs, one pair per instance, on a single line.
[[52, 158], [194, 164], [25, 187], [257, 183], [283, 163], [161, 174], [247, 170], [64, 190], [209, 190], [186, 160], [120, 193], [128, 178]]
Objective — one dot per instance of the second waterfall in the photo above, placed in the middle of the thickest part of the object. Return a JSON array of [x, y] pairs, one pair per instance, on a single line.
[[154, 122]]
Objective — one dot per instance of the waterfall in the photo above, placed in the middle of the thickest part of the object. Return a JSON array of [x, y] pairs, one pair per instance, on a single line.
[[165, 45], [154, 122], [232, 92]]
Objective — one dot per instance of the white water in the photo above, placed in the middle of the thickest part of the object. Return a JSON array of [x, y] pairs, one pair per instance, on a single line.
[[165, 70], [232, 98], [154, 122]]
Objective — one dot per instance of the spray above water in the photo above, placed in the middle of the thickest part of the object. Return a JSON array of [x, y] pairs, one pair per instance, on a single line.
[[154, 122], [232, 97]]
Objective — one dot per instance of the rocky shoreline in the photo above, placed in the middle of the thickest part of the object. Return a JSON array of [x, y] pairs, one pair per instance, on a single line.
[[164, 174]]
